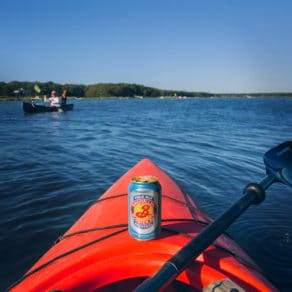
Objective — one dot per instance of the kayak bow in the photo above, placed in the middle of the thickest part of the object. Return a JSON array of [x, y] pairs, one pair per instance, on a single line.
[[97, 252]]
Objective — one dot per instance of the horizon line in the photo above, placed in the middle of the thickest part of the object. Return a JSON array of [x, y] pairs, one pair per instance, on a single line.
[[174, 90]]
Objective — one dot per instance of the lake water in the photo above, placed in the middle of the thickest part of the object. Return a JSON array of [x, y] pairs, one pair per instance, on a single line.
[[55, 165]]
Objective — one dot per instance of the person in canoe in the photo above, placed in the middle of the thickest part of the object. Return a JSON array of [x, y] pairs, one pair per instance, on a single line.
[[64, 97], [54, 100]]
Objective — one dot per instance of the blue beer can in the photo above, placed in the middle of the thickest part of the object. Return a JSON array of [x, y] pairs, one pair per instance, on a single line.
[[144, 207]]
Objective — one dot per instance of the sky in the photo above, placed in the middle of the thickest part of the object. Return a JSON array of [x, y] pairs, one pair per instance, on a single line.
[[218, 46]]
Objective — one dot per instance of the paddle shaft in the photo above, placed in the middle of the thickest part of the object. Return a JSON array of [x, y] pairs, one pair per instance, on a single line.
[[253, 194]]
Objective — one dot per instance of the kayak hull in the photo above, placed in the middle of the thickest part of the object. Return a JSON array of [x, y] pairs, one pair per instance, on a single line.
[[29, 107], [97, 252]]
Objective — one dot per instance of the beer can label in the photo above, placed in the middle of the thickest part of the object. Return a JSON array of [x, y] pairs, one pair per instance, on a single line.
[[143, 211], [144, 207]]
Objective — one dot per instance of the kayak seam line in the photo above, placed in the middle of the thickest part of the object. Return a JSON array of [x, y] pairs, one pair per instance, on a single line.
[[191, 208], [234, 255], [64, 255], [108, 198], [163, 196], [243, 261], [91, 243], [89, 230], [122, 225], [181, 202]]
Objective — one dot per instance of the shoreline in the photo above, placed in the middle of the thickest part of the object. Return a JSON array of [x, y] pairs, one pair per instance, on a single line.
[[289, 95]]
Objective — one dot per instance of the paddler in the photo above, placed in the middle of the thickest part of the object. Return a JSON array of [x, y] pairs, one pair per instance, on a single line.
[[54, 100]]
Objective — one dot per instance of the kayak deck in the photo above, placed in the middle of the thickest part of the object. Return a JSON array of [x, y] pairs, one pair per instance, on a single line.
[[98, 252]]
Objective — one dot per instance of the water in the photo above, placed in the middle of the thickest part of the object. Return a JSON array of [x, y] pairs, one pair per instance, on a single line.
[[55, 165]]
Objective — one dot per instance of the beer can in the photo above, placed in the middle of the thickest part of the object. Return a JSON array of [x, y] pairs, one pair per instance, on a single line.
[[144, 207]]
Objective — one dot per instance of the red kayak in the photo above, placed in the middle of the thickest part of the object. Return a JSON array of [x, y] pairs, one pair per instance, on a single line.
[[98, 254]]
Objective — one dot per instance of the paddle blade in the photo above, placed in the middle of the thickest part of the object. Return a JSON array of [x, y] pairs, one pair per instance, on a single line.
[[37, 88], [278, 162]]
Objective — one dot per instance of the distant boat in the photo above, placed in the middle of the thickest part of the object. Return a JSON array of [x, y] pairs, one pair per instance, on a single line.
[[30, 107], [179, 97]]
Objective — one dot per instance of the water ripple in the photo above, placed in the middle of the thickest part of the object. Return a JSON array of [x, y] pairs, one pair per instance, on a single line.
[[53, 166]]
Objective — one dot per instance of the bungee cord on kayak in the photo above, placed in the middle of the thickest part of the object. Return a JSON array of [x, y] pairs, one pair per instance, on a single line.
[[123, 228]]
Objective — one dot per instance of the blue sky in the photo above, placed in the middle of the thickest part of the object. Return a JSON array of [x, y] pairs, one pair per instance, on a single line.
[[214, 46]]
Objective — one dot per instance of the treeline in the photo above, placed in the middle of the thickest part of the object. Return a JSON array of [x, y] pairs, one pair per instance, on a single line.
[[27, 89], [133, 90], [101, 90]]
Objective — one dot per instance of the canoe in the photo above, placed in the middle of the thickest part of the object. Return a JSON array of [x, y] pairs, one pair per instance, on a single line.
[[98, 254], [29, 107]]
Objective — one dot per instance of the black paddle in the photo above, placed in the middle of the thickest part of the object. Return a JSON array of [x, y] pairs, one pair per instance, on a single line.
[[278, 163]]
